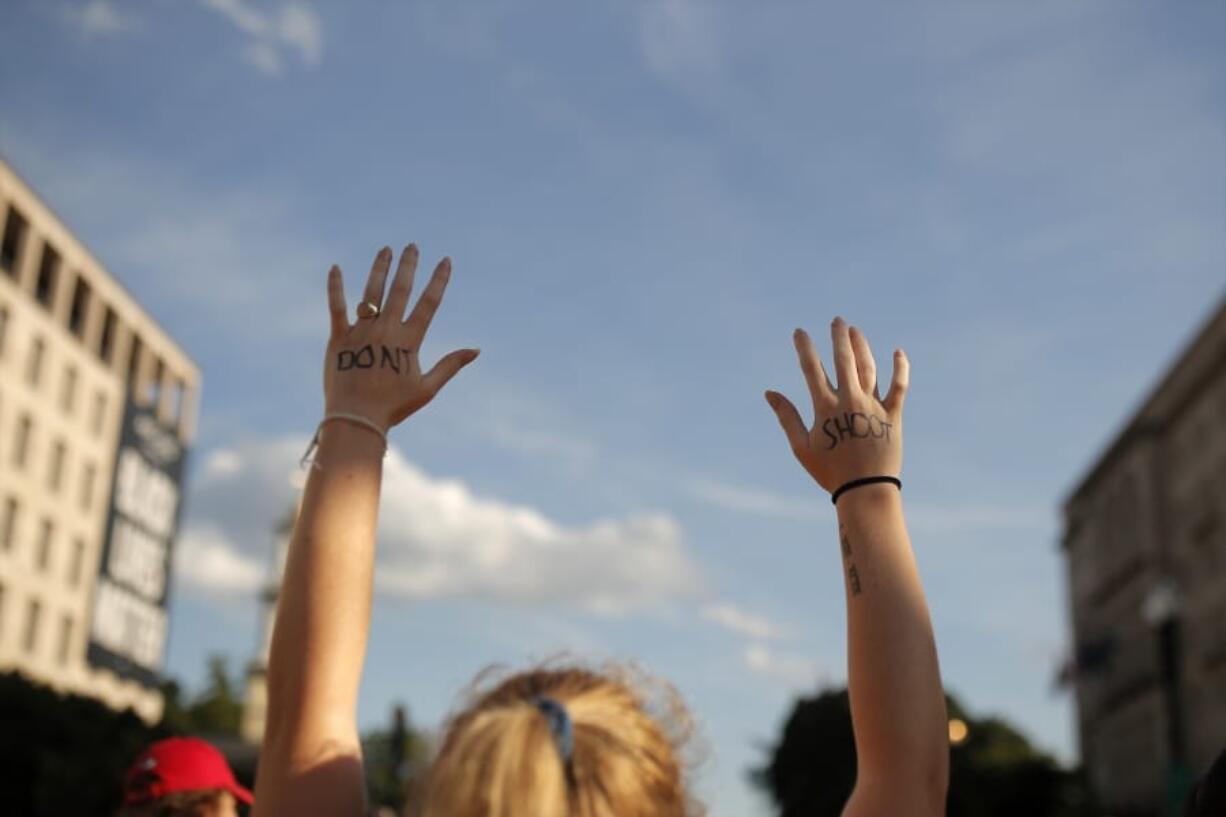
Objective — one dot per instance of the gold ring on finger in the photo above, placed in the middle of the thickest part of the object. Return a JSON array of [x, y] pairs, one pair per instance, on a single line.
[[368, 309]]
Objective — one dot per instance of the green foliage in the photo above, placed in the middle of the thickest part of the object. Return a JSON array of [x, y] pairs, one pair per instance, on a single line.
[[217, 710], [394, 760], [995, 771]]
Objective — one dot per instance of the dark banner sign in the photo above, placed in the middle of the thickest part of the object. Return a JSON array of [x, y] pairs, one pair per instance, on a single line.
[[128, 627]]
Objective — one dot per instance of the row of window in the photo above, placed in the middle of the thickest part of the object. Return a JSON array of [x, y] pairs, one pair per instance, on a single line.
[[70, 379], [19, 457], [81, 304], [32, 630], [45, 547]]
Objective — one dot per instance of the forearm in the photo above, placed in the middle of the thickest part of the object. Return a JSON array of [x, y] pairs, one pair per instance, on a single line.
[[897, 701], [323, 615]]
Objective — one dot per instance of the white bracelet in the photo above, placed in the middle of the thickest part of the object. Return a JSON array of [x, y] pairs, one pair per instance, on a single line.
[[365, 422]]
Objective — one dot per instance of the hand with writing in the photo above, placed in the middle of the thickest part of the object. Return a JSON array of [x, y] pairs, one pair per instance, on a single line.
[[855, 433], [372, 366]]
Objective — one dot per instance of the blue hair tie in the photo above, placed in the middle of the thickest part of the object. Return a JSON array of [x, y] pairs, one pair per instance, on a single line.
[[559, 724]]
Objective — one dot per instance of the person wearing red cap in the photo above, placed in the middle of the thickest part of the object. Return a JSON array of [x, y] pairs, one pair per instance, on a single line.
[[182, 777]]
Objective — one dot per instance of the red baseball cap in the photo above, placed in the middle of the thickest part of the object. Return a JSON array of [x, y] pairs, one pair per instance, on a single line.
[[178, 765]]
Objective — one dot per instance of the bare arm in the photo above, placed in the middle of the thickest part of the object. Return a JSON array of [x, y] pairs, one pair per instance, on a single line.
[[897, 702], [311, 759]]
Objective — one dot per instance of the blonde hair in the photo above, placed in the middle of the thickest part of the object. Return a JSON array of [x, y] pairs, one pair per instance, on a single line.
[[499, 756]]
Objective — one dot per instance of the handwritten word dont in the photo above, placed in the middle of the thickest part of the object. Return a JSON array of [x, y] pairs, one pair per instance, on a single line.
[[388, 357], [856, 425]]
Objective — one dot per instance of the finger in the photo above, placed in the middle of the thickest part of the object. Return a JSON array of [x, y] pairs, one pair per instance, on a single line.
[[447, 368], [378, 276], [427, 304], [402, 284], [844, 358], [865, 364], [820, 388], [898, 386], [336, 301], [789, 420]]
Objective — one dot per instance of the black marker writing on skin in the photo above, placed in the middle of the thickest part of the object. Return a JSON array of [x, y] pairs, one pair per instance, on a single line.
[[856, 425], [390, 357], [853, 575]]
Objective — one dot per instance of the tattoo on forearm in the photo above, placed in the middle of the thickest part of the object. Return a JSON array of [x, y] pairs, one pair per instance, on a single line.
[[389, 357], [853, 575], [856, 425]]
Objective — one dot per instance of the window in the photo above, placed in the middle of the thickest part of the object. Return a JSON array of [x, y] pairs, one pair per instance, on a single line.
[[68, 389], [55, 472], [34, 612], [178, 394], [8, 523], [135, 353], [21, 443], [78, 312], [87, 486], [65, 639], [15, 226], [46, 537], [48, 276], [78, 562], [34, 363], [154, 393], [98, 412], [106, 341]]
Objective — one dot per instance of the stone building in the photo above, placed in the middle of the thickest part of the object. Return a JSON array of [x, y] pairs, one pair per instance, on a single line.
[[1145, 548], [96, 410]]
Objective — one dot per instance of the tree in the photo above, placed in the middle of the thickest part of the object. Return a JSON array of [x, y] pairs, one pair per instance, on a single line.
[[993, 771], [217, 710]]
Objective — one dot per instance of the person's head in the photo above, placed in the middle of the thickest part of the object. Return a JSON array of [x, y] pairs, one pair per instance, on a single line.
[[562, 742], [181, 777]]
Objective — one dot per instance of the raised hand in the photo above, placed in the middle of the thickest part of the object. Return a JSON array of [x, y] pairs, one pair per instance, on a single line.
[[855, 434], [372, 366]]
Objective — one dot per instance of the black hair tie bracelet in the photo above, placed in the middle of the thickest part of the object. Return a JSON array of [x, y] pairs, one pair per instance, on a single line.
[[858, 483]]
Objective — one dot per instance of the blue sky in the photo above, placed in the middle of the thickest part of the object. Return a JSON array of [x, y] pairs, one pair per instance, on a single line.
[[642, 200]]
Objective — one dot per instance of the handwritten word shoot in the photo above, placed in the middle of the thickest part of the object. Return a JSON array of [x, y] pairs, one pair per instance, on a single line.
[[856, 425]]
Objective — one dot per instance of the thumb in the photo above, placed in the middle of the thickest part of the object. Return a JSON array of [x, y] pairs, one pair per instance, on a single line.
[[447, 368], [789, 419]]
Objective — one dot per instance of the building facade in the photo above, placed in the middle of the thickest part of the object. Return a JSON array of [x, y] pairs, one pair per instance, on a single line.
[[1145, 549], [82, 365]]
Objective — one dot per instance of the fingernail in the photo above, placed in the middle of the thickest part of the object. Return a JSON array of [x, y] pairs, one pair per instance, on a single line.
[[472, 355], [837, 320], [411, 248], [386, 251], [773, 399]]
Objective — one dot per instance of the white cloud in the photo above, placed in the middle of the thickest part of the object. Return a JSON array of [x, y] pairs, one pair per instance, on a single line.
[[263, 57], [99, 18], [797, 672], [208, 561], [437, 539], [741, 622], [294, 28]]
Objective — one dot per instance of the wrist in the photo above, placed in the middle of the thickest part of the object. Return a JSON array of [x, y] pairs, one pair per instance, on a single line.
[[341, 436], [872, 498]]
